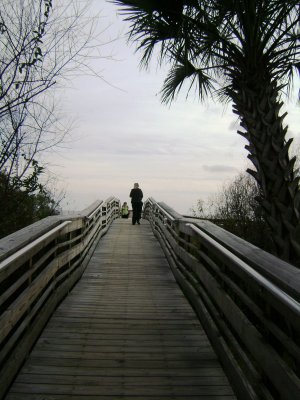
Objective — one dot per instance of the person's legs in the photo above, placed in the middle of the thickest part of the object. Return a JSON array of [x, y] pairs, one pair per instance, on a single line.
[[139, 212], [134, 213]]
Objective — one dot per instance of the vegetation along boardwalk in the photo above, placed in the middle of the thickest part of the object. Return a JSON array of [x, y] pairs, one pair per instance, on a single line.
[[125, 331]]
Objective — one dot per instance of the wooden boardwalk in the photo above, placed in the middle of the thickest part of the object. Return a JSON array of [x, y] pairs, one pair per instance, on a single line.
[[124, 332]]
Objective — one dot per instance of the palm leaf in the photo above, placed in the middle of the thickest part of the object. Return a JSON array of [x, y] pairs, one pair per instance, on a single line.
[[181, 72]]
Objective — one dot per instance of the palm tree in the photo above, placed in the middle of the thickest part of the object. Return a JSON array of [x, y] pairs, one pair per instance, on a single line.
[[246, 52]]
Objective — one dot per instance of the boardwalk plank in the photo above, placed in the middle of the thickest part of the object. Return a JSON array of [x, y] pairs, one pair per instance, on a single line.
[[130, 372], [123, 389], [155, 380], [125, 331]]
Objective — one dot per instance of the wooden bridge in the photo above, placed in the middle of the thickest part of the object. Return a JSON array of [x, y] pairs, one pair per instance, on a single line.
[[174, 308]]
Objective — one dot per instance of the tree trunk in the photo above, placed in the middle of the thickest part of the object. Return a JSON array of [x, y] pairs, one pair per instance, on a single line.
[[258, 108]]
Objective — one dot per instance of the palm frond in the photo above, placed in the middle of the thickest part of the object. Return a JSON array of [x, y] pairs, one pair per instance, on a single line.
[[130, 6], [179, 74], [226, 37], [153, 24], [170, 10]]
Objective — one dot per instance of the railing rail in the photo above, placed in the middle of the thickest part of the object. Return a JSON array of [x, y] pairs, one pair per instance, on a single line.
[[38, 267], [247, 300]]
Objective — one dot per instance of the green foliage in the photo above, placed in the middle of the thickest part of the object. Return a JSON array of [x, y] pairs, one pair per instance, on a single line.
[[22, 205]]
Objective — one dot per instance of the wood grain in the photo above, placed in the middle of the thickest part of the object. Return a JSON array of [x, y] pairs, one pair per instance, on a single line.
[[125, 331]]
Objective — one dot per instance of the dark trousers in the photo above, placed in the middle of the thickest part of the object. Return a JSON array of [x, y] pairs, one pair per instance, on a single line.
[[136, 211]]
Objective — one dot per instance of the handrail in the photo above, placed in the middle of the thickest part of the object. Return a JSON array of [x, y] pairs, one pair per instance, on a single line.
[[246, 299], [22, 252], [260, 279], [169, 216], [39, 265], [94, 212]]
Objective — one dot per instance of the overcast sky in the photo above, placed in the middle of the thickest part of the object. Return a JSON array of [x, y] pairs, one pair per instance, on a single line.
[[123, 134]]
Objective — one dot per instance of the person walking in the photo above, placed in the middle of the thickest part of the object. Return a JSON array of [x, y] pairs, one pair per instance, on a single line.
[[136, 195]]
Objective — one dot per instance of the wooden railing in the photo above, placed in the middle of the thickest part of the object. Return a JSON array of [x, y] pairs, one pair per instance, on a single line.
[[38, 267], [246, 299]]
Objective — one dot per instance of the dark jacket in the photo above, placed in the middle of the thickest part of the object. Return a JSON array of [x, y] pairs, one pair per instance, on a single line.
[[136, 195]]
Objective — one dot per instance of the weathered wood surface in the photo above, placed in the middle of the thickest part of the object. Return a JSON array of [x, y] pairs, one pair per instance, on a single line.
[[12, 243], [247, 300], [125, 331]]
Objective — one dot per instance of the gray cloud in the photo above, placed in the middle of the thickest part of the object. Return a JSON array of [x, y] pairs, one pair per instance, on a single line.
[[219, 168]]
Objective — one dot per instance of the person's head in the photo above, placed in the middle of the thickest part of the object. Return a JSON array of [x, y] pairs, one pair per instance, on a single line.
[[125, 203], [136, 185]]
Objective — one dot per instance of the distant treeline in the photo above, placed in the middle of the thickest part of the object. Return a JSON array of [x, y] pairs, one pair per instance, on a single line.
[[235, 209]]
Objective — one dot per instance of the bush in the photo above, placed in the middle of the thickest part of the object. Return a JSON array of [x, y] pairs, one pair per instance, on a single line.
[[235, 209], [20, 207]]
